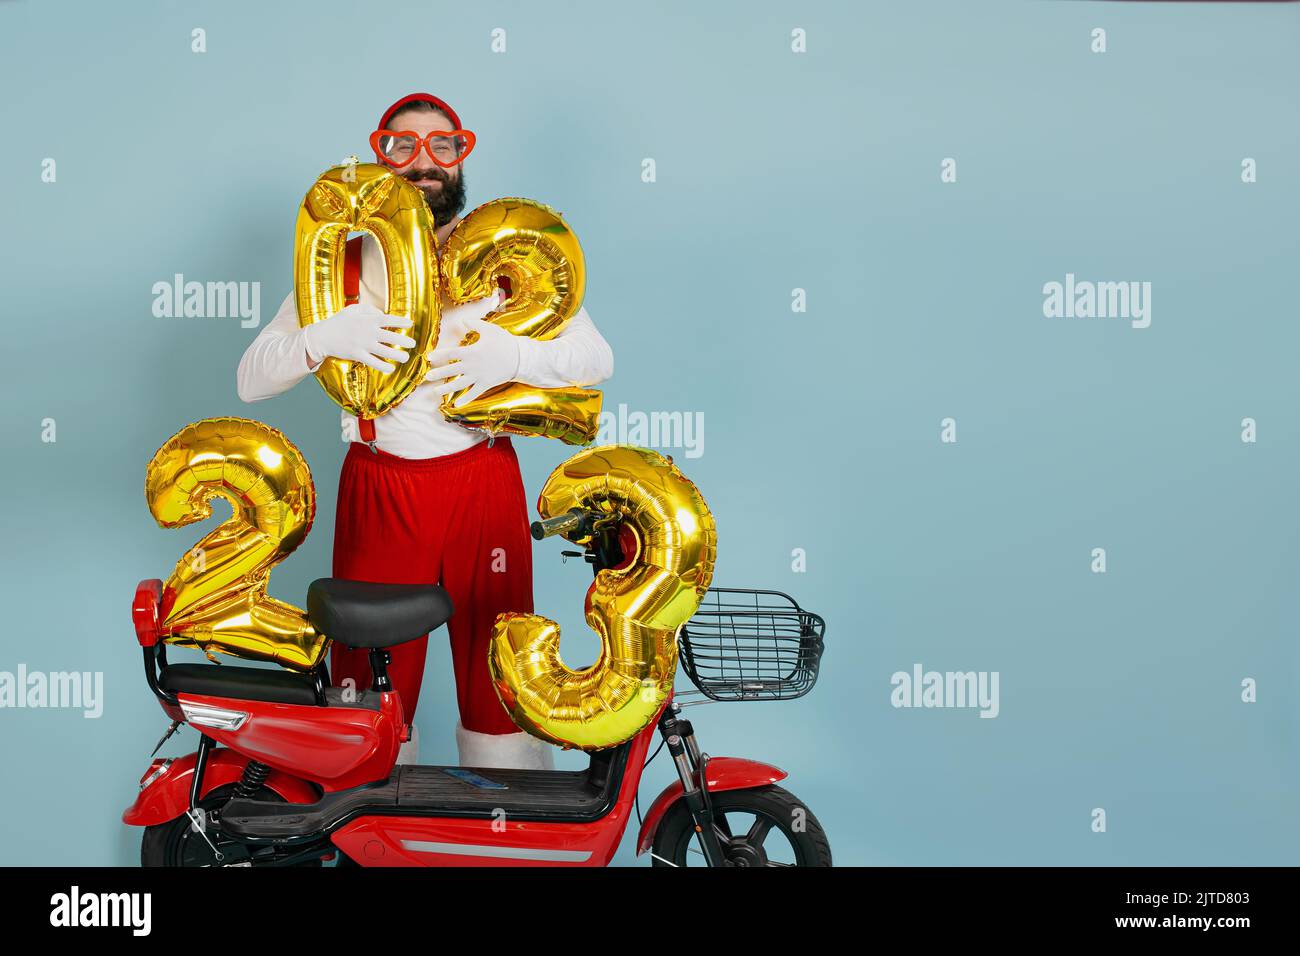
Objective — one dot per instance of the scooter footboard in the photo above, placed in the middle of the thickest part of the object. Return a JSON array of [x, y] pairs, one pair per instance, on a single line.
[[721, 773], [165, 786]]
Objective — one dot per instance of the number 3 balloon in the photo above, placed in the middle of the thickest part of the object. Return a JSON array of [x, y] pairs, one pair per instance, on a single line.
[[636, 609]]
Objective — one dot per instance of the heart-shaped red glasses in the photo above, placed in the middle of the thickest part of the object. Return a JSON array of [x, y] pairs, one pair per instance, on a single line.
[[398, 148]]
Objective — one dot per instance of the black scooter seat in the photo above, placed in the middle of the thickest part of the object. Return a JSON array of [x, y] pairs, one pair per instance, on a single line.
[[361, 614], [244, 683]]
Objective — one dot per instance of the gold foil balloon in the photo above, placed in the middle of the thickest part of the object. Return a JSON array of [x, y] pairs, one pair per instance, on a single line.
[[216, 597], [370, 198], [636, 610], [532, 246]]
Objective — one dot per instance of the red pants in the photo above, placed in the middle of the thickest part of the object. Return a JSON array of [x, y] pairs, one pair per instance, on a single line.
[[460, 521]]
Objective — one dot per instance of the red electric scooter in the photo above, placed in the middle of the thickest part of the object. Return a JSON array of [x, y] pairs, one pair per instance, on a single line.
[[290, 771]]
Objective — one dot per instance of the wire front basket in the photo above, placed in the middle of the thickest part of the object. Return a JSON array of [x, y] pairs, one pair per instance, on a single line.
[[744, 644]]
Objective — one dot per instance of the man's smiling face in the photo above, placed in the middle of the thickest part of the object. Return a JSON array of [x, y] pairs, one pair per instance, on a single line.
[[443, 188]]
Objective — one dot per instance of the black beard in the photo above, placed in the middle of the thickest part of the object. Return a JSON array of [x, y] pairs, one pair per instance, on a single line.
[[446, 203]]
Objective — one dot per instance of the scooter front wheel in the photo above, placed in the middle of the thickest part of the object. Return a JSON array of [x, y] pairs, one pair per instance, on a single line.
[[765, 826], [176, 843]]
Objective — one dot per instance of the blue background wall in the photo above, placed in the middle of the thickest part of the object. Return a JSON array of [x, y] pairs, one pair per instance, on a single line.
[[776, 171]]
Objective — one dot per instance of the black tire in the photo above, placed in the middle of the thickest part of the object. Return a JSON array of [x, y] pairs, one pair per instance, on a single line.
[[174, 843], [772, 809]]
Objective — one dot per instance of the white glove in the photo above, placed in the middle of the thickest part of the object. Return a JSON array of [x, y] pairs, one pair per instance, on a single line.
[[359, 333], [490, 361]]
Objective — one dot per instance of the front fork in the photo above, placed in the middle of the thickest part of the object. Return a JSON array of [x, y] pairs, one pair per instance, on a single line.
[[690, 761]]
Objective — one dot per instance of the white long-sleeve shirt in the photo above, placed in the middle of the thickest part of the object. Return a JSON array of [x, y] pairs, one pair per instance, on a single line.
[[276, 361]]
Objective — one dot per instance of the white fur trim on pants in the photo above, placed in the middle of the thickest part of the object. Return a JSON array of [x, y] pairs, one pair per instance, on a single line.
[[517, 751]]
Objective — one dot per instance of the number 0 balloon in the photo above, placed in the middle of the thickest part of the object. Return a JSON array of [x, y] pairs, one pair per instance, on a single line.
[[367, 197]]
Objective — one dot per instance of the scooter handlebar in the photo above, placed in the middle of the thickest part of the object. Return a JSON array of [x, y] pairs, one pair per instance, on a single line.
[[571, 520]]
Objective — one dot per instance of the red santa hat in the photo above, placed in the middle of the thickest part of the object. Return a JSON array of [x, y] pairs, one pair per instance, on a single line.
[[407, 100]]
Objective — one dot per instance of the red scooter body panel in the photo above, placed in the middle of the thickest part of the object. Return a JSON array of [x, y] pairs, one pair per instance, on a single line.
[[167, 797], [722, 773], [381, 840], [336, 747], [448, 841]]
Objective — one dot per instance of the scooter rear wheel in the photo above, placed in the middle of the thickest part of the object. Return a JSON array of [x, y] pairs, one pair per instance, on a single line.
[[747, 823], [176, 844]]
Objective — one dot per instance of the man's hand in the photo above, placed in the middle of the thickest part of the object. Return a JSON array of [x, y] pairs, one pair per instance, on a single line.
[[359, 333], [490, 361]]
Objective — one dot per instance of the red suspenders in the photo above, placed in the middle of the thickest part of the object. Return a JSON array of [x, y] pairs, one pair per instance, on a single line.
[[352, 295], [352, 271]]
